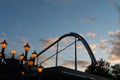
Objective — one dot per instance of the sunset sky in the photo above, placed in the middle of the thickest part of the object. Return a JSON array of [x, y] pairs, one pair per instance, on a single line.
[[41, 22]]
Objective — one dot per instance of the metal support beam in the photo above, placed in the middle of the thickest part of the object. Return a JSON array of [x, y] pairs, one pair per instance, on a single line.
[[57, 55], [75, 54]]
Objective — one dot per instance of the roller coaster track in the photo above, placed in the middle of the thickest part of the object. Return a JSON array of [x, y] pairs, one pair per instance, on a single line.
[[77, 38]]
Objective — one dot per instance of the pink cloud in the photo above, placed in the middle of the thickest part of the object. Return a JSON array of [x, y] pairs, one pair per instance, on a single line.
[[89, 34], [66, 40], [115, 48], [82, 65], [79, 46], [47, 42]]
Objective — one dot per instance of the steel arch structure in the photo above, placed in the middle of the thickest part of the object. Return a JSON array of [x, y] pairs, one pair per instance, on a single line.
[[79, 38]]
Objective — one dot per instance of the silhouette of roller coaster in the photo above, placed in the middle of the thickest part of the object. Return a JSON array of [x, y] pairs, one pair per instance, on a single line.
[[15, 70], [77, 38], [63, 73]]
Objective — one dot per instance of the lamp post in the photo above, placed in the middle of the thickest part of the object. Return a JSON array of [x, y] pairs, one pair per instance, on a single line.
[[0, 58], [26, 48], [40, 68], [3, 46], [30, 62], [13, 52], [22, 58], [34, 55], [25, 69]]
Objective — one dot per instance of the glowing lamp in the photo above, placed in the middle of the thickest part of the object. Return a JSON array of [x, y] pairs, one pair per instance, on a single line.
[[34, 54], [4, 44], [30, 62], [21, 57], [13, 52], [40, 68], [27, 47]]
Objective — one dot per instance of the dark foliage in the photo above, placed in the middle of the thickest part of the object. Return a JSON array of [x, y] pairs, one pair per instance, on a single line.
[[102, 68], [116, 71]]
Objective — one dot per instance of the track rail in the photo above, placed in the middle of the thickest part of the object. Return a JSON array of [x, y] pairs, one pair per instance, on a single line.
[[79, 38]]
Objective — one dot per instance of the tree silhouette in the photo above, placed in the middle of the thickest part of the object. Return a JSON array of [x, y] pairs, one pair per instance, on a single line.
[[102, 68], [116, 71]]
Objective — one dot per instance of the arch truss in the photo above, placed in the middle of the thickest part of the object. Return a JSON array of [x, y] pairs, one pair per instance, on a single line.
[[77, 38]]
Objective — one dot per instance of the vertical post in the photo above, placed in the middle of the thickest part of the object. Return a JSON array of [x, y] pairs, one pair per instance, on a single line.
[[3, 55], [37, 61], [21, 62], [33, 61], [26, 52], [22, 58], [26, 48], [57, 55], [12, 56], [3, 45], [75, 54], [0, 58]]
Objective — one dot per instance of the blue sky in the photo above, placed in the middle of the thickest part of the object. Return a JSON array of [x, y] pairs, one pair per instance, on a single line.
[[34, 21]]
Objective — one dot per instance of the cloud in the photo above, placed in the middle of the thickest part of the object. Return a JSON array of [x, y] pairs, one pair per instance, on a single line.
[[93, 46], [105, 45], [114, 58], [17, 37], [96, 20], [115, 34], [1, 39], [90, 34], [108, 23], [115, 47], [90, 19], [82, 65], [105, 41], [66, 40], [56, 2], [23, 40], [47, 42], [48, 63], [117, 5], [4, 34], [79, 46], [102, 45]]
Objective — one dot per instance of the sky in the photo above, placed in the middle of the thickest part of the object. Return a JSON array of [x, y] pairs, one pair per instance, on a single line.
[[41, 22]]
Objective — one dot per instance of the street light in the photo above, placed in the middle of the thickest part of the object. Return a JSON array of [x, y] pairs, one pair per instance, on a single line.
[[26, 48], [34, 55], [13, 52], [24, 68], [22, 58], [3, 46], [40, 68], [0, 58], [30, 62]]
